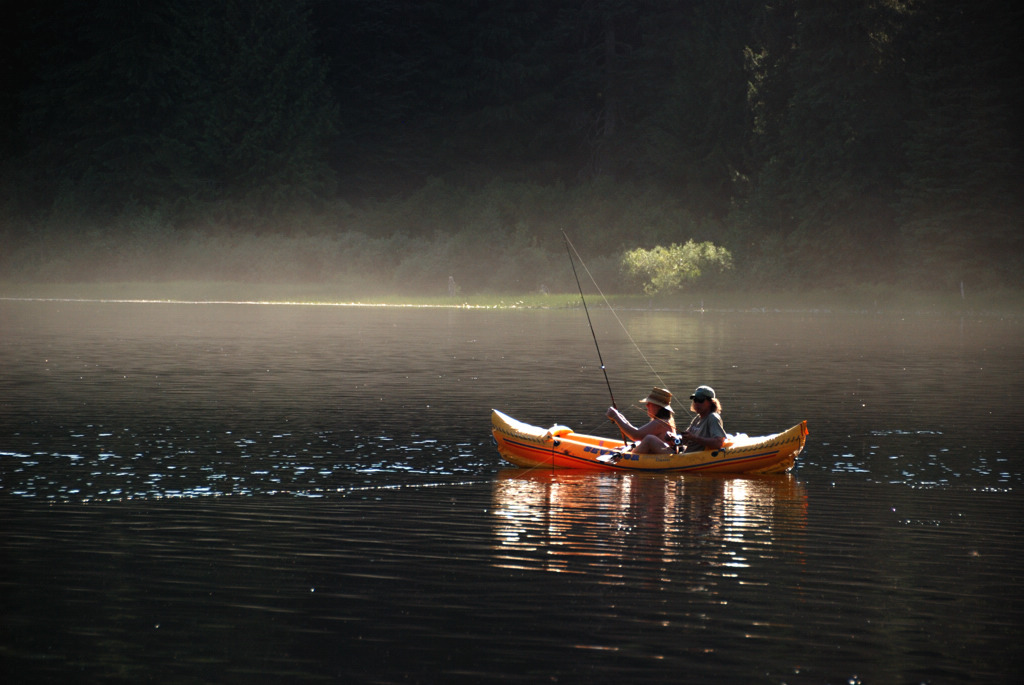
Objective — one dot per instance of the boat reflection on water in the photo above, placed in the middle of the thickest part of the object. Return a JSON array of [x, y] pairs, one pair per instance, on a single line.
[[586, 522]]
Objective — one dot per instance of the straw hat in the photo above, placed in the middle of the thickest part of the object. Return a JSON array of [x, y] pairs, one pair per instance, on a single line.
[[660, 397]]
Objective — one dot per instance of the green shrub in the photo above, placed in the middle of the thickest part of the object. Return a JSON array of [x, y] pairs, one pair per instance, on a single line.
[[662, 270]]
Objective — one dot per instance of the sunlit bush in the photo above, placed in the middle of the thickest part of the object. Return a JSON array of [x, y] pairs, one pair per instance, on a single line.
[[669, 269]]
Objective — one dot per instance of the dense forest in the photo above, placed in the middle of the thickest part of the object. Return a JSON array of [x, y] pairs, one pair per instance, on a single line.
[[394, 142]]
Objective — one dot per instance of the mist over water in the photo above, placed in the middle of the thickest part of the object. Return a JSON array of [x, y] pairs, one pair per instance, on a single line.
[[146, 400], [322, 480]]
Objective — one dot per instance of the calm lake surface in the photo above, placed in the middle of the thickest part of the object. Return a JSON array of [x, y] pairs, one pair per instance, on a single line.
[[242, 493]]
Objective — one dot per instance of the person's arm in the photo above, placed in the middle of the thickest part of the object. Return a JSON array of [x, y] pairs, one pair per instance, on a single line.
[[629, 430]]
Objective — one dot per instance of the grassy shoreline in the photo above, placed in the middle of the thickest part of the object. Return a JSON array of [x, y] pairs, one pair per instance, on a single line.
[[862, 299]]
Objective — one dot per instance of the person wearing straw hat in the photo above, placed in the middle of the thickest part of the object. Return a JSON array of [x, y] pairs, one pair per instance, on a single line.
[[657, 436], [706, 431]]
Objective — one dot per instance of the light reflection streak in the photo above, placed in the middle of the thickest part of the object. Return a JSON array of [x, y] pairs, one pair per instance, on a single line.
[[575, 522], [273, 303]]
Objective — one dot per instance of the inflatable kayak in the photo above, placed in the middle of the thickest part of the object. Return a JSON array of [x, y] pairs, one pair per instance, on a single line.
[[559, 447]]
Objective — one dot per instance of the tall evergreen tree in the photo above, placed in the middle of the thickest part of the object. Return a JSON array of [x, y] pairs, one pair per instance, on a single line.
[[831, 152], [962, 204], [693, 127]]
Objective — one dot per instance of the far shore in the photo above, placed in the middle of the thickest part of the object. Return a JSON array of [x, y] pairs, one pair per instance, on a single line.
[[861, 299]]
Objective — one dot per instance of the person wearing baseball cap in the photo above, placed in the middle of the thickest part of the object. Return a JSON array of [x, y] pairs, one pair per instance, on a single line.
[[706, 431], [657, 436]]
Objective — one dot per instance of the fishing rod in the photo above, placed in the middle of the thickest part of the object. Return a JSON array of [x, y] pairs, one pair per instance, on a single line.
[[589, 323], [572, 248], [611, 309]]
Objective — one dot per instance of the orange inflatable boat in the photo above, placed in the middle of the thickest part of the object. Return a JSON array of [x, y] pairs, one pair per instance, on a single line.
[[559, 447]]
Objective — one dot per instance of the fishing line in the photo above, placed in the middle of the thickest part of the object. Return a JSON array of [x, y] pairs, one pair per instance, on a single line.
[[568, 244]]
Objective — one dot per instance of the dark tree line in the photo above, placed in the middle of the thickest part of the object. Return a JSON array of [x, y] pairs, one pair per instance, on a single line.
[[170, 102], [877, 140]]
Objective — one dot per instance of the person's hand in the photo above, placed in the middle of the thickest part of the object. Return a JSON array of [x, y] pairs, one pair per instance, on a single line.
[[613, 414]]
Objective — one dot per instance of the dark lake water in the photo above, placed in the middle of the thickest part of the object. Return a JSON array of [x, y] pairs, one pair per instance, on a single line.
[[241, 493]]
